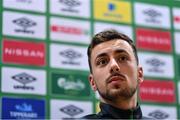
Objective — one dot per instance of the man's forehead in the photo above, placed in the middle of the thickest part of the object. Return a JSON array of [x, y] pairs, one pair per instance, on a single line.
[[112, 46]]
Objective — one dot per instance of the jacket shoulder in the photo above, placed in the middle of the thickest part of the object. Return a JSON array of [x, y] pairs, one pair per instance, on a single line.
[[91, 116]]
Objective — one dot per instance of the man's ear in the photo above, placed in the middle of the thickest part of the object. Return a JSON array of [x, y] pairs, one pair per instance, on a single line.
[[140, 75], [92, 82]]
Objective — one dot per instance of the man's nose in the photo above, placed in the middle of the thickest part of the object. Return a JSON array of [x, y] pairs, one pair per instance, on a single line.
[[114, 66]]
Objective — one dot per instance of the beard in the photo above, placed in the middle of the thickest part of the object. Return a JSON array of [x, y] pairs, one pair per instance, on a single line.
[[120, 92]]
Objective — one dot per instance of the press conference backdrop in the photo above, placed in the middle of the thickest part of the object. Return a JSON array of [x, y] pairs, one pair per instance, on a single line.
[[44, 64]]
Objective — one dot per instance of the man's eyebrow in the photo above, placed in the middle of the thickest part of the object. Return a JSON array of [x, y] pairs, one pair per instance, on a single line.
[[116, 51], [101, 55], [121, 51]]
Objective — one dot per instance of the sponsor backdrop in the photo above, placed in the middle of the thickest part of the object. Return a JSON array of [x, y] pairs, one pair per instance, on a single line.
[[43, 63]]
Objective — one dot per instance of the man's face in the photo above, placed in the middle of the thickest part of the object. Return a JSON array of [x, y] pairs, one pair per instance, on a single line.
[[115, 73]]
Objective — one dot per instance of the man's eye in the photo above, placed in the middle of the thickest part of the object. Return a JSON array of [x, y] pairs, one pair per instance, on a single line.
[[122, 58], [101, 62]]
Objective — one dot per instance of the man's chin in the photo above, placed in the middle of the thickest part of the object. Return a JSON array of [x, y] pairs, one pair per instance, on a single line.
[[114, 93], [119, 93]]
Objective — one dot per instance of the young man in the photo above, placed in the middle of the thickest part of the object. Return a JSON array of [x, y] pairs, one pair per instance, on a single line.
[[116, 74]]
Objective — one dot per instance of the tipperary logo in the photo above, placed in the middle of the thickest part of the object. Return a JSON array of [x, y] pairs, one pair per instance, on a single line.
[[24, 23], [24, 107], [23, 111], [24, 79]]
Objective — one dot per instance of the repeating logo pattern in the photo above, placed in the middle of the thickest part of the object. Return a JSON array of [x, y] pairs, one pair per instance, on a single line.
[[70, 30], [43, 53], [24, 79], [22, 25], [19, 80], [69, 109], [116, 11], [21, 52], [152, 15], [158, 91], [159, 112], [77, 8], [70, 84], [176, 18], [20, 108], [154, 40], [68, 57], [29, 5], [71, 55], [155, 65]]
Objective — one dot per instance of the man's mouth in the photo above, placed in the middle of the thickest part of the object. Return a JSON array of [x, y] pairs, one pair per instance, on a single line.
[[116, 78]]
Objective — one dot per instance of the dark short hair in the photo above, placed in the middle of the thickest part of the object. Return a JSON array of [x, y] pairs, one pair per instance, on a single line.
[[109, 35]]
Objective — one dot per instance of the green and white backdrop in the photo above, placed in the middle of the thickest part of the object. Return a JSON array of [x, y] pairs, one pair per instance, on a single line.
[[43, 63]]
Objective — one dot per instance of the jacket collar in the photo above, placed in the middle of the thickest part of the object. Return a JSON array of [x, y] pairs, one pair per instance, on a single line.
[[113, 112]]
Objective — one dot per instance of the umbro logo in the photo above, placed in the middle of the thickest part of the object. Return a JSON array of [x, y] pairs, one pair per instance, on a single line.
[[71, 110], [24, 79], [158, 114], [153, 15], [70, 5], [71, 56], [24, 23], [155, 65]]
